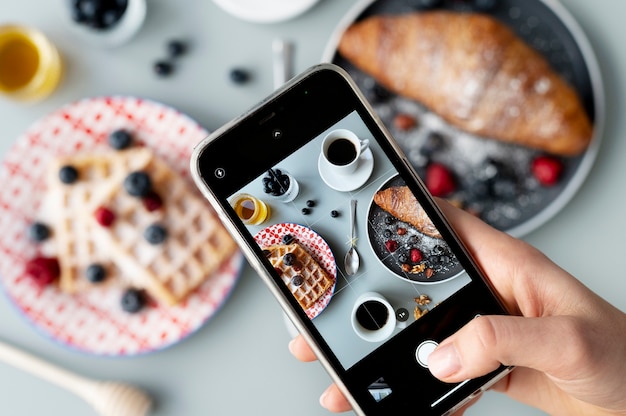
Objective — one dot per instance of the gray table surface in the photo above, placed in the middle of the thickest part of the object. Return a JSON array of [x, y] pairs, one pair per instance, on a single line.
[[238, 363]]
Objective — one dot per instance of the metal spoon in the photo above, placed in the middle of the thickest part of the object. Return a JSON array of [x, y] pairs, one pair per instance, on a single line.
[[351, 260]]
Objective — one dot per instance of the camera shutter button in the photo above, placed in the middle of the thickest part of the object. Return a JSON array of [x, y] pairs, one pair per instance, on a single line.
[[423, 351]]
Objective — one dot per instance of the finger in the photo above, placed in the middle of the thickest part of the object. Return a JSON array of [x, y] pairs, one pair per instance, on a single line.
[[486, 342], [334, 400], [301, 350]]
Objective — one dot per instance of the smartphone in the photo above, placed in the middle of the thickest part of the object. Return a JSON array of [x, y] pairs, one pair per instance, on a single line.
[[334, 219]]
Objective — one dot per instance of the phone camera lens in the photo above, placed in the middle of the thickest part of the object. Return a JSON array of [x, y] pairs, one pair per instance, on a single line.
[[277, 134]]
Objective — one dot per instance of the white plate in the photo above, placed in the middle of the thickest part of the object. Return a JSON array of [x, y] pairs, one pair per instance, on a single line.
[[347, 183], [265, 11]]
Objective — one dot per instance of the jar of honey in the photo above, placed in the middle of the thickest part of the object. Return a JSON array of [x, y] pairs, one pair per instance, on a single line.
[[251, 210], [30, 65]]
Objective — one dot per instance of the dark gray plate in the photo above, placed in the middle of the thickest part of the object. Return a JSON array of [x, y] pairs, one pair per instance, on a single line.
[[517, 203]]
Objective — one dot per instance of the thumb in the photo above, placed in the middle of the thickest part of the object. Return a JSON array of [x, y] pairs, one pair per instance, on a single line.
[[488, 341]]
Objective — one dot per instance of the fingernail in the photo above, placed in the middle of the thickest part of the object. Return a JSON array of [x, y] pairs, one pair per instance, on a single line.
[[290, 345], [323, 399], [444, 361]]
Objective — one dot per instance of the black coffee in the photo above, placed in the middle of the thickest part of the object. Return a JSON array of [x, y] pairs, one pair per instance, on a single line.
[[372, 315], [341, 152]]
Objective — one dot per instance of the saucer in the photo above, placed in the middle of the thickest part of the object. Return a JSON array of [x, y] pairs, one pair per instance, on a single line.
[[266, 11], [346, 183]]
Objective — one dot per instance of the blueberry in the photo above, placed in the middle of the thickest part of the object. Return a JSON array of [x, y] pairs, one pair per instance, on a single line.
[[138, 184], [267, 253], [434, 143], [120, 139], [297, 280], [387, 233], [287, 239], [289, 259], [403, 258], [306, 211], [38, 232], [389, 220], [176, 48], [68, 174], [239, 76], [334, 213], [95, 273], [163, 68], [133, 300], [310, 203], [155, 234]]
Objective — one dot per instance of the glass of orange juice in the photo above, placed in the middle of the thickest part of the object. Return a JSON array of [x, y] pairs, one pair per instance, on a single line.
[[251, 210], [30, 65]]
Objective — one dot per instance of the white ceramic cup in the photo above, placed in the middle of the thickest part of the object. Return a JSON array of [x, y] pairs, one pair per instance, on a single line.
[[341, 149], [373, 317]]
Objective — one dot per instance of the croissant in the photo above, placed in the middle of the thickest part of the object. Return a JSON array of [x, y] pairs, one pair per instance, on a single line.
[[475, 73], [400, 202]]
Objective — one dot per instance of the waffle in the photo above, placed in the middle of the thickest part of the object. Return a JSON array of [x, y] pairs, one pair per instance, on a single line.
[[70, 208], [196, 243], [316, 280]]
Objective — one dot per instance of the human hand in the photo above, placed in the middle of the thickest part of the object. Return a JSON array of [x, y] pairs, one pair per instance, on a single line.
[[568, 344]]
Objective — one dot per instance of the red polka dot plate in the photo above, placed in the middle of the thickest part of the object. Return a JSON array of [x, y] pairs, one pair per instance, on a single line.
[[93, 322], [314, 244]]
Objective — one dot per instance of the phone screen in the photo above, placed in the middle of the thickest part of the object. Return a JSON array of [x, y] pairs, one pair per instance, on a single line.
[[356, 247]]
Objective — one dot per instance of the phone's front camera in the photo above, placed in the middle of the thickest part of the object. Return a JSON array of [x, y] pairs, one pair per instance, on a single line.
[[277, 134]]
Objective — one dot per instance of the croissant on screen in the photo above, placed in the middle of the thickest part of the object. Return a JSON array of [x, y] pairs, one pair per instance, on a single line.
[[475, 73]]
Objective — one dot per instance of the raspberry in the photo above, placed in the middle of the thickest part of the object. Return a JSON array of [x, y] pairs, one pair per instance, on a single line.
[[391, 245], [43, 270], [104, 216], [416, 255], [152, 201], [404, 122], [547, 170], [439, 180]]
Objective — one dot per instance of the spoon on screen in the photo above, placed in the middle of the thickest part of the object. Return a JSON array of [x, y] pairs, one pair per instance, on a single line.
[[106, 397], [352, 261]]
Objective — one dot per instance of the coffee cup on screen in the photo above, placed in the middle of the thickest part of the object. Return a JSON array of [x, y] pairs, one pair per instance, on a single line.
[[342, 149], [373, 317]]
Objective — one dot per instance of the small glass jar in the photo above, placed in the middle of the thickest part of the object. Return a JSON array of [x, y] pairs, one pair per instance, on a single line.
[[251, 210], [30, 65], [280, 185]]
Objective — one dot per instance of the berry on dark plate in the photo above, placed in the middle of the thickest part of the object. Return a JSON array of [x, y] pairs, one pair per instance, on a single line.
[[68, 174], [133, 300], [38, 232], [155, 234], [120, 139], [95, 273], [547, 169], [138, 184]]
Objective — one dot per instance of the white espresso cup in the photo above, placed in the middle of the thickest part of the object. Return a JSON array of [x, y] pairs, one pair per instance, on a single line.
[[342, 149], [373, 317]]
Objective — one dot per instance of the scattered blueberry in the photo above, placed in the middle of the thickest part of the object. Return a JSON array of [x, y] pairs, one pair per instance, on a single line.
[[155, 234], [95, 273], [389, 220], [239, 75], [306, 211], [133, 300], [38, 232], [334, 213], [163, 68], [138, 184], [176, 48], [287, 239], [289, 259], [434, 143], [120, 139], [68, 174], [387, 233], [310, 203]]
